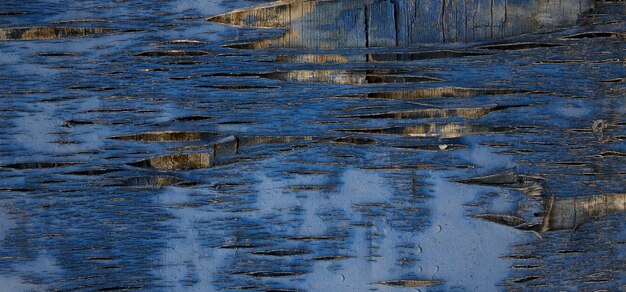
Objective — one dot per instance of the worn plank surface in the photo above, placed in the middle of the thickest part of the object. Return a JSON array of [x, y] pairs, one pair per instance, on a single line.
[[402, 23], [144, 148]]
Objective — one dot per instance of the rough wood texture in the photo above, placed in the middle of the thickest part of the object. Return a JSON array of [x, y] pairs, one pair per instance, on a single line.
[[43, 33], [568, 213], [401, 23]]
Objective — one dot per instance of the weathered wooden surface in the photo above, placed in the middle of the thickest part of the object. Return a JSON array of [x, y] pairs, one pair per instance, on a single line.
[[401, 23], [569, 213], [42, 33], [157, 156]]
